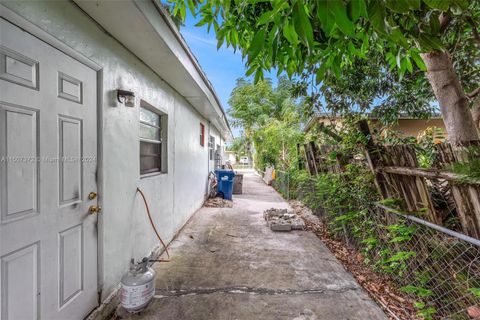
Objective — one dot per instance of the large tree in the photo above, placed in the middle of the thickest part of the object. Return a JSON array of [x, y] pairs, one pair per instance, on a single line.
[[325, 35]]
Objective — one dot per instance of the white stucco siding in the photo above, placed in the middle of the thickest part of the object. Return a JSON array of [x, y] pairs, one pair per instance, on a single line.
[[191, 171], [173, 197]]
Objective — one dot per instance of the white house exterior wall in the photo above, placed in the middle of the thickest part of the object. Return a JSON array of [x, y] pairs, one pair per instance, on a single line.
[[219, 140], [124, 230]]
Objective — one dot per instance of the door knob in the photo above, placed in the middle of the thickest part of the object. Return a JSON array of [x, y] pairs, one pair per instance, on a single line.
[[94, 209], [92, 195]]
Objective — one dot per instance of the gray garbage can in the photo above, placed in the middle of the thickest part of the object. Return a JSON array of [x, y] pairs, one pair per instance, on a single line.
[[238, 184]]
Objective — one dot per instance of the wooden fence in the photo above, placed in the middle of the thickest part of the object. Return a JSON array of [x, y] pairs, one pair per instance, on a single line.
[[323, 158], [399, 176]]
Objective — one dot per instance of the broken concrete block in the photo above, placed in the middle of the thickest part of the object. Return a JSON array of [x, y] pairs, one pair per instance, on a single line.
[[270, 213], [283, 220], [279, 225], [269, 221], [272, 220], [266, 214], [297, 224]]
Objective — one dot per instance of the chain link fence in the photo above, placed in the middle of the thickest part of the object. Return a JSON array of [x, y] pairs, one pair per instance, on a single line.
[[437, 268], [282, 183]]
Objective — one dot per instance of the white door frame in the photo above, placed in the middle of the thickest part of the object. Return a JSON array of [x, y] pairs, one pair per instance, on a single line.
[[38, 32]]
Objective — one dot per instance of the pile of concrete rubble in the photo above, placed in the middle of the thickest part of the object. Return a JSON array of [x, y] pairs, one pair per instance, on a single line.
[[305, 212], [283, 220]]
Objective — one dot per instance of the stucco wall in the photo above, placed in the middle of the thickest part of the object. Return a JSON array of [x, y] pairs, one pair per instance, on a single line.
[[124, 230], [414, 127]]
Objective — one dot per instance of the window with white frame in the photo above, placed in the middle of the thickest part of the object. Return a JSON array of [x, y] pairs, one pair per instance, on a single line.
[[211, 146], [152, 140]]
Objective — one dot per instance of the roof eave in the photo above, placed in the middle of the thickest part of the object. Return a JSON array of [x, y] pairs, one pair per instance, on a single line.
[[146, 30]]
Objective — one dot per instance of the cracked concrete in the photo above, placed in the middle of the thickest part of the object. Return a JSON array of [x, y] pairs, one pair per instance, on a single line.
[[162, 293], [227, 264]]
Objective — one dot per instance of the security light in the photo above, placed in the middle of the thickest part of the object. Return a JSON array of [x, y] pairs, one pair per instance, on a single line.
[[126, 97]]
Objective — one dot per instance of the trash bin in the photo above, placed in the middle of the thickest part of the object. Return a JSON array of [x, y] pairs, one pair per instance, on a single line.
[[225, 183]]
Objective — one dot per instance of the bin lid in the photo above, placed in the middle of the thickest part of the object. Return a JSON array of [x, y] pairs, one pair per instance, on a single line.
[[225, 171]]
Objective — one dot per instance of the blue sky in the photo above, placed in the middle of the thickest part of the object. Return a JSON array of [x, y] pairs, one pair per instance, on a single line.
[[223, 67]]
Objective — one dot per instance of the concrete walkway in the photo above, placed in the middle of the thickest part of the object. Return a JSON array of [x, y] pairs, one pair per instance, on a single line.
[[227, 264]]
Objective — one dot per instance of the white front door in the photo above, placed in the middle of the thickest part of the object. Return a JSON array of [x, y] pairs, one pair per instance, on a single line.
[[48, 148]]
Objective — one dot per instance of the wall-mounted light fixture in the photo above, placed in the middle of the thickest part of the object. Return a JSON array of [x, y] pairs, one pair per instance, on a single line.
[[126, 97]]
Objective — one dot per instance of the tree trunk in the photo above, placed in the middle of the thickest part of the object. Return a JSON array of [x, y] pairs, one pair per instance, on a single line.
[[476, 112], [451, 98]]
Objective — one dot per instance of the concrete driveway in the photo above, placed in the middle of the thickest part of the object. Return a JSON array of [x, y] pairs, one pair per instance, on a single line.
[[227, 264]]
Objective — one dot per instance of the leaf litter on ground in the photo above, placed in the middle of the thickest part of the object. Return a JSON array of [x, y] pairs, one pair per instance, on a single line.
[[395, 303]]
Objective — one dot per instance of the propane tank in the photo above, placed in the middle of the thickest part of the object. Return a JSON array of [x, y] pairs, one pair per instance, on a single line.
[[138, 286]]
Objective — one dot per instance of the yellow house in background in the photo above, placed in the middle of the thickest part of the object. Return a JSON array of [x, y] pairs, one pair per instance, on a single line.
[[406, 126]]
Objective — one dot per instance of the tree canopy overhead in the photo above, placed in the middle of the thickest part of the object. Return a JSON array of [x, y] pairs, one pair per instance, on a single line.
[[323, 37], [292, 35]]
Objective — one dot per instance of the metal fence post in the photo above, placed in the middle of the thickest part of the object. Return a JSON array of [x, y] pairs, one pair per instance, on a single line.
[[288, 185]]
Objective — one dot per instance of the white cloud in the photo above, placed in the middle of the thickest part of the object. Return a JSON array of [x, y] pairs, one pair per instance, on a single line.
[[191, 37]]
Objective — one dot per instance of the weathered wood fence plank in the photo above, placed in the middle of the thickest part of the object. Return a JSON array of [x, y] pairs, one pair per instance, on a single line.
[[398, 175], [466, 196]]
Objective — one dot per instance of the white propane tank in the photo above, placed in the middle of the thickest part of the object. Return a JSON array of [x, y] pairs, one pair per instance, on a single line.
[[138, 286]]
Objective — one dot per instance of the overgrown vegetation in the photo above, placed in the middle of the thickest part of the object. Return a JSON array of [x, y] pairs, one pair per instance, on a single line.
[[270, 117], [470, 169], [346, 200], [364, 55], [427, 266]]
